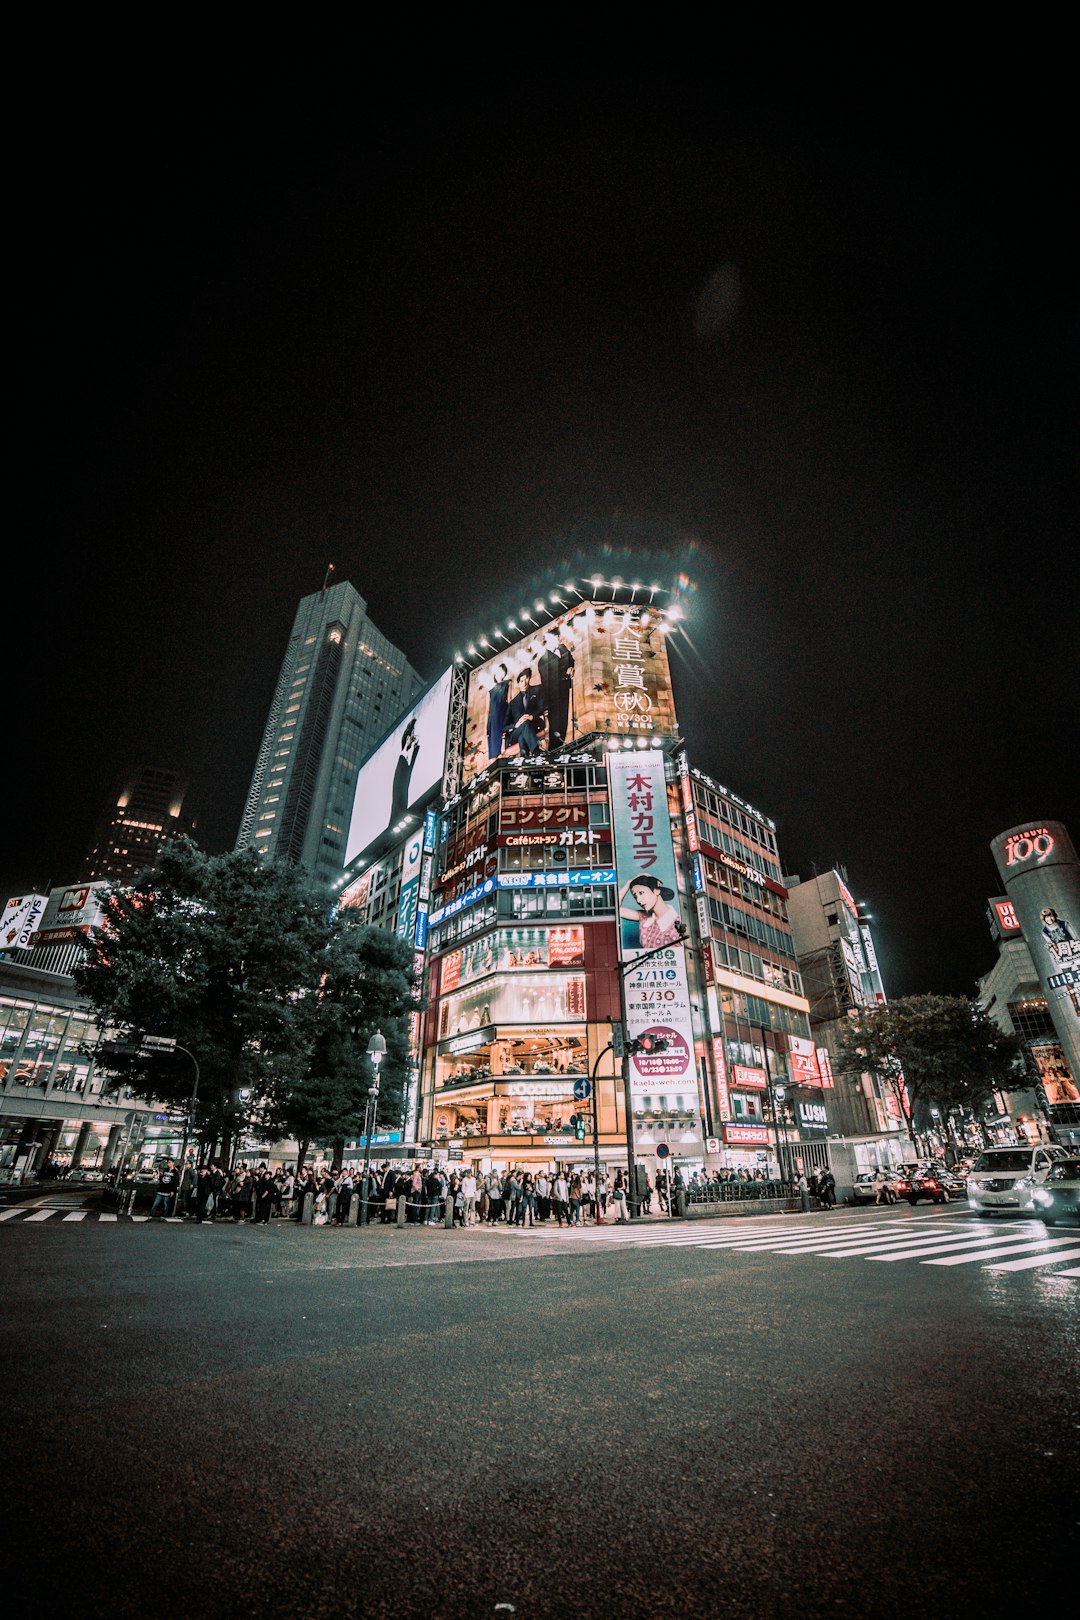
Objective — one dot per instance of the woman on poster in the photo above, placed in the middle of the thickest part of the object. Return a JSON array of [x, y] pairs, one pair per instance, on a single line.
[[657, 919]]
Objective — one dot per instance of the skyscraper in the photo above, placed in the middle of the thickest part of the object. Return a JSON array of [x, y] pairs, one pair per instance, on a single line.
[[342, 684], [146, 812]]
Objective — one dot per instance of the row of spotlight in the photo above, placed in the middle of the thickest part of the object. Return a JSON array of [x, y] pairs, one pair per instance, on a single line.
[[486, 647]]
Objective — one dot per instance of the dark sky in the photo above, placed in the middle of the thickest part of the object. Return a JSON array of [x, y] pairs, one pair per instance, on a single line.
[[458, 343]]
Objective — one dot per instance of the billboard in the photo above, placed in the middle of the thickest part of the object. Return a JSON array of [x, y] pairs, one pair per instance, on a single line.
[[513, 950], [1053, 1072], [656, 994], [1041, 874], [525, 998], [402, 770], [21, 920], [595, 668], [70, 914]]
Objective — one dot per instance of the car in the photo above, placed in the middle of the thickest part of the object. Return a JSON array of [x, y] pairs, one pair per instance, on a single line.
[[1004, 1179], [1057, 1201], [864, 1189], [927, 1184]]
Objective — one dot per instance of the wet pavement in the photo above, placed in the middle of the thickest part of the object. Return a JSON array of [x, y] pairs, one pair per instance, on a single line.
[[295, 1421]]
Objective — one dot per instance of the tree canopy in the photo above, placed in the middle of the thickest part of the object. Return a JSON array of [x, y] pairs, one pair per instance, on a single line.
[[941, 1052], [244, 964]]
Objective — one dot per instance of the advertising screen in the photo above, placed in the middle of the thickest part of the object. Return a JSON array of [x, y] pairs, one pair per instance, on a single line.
[[595, 668], [513, 949], [1053, 1072], [402, 770], [526, 998]]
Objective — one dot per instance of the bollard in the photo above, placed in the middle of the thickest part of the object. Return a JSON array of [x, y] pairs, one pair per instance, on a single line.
[[402, 1205], [307, 1208], [680, 1203], [353, 1216], [449, 1217]]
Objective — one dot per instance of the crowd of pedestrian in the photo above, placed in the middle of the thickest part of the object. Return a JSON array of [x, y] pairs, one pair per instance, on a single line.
[[419, 1194]]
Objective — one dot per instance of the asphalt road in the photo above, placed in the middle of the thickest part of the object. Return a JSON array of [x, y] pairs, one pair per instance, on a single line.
[[301, 1422]]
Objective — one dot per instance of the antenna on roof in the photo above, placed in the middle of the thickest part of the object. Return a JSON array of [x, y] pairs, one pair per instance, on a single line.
[[329, 572]]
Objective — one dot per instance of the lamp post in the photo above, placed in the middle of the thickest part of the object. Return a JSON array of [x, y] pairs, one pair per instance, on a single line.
[[376, 1052], [596, 1132]]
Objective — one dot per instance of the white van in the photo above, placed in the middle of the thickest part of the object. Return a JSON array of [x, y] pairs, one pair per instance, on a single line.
[[1004, 1179]]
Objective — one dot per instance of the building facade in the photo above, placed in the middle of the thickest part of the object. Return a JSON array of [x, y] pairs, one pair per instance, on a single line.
[[146, 813], [58, 1111], [840, 972], [546, 869], [342, 683], [1015, 999]]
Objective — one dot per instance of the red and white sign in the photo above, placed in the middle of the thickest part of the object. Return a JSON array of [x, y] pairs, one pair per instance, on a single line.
[[720, 1066], [746, 1135], [1008, 921], [749, 1079], [824, 1062], [804, 1063], [70, 915]]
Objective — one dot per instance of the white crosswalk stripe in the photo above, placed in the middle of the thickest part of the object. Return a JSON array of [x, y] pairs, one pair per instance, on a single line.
[[946, 1238]]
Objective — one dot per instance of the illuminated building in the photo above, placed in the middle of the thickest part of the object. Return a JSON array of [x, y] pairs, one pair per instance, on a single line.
[[145, 814], [840, 972], [342, 683], [1014, 998], [566, 792]]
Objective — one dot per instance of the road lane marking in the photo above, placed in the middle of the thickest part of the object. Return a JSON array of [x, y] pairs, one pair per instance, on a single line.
[[1036, 1260], [1044, 1245], [108, 1217], [77, 1215], [40, 1215]]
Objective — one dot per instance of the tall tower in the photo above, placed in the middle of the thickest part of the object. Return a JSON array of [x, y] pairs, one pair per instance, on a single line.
[[342, 684], [145, 814]]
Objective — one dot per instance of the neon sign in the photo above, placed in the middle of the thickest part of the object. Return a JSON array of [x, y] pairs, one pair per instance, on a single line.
[[1022, 846]]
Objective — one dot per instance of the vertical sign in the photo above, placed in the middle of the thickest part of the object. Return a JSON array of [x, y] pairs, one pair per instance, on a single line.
[[657, 995], [410, 888]]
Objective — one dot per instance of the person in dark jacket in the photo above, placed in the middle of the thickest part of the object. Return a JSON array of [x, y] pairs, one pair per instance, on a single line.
[[266, 1196], [168, 1182], [204, 1194]]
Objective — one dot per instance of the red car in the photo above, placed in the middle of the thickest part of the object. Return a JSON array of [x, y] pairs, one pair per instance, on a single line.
[[922, 1184]]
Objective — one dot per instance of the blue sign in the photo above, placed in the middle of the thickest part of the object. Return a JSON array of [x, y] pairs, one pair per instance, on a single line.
[[383, 1139], [429, 831], [582, 1089], [555, 880], [469, 898]]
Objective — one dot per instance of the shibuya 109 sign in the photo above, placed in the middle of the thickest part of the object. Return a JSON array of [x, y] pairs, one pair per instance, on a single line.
[[595, 668], [656, 993]]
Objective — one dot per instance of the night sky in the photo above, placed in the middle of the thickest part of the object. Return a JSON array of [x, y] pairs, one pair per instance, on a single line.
[[464, 345]]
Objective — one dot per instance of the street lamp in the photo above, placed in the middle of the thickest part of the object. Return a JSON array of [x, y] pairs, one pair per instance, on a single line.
[[376, 1052]]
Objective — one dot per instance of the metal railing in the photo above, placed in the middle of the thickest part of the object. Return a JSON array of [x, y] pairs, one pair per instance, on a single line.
[[739, 1192]]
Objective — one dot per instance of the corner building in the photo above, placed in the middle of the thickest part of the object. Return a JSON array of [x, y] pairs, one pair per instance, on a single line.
[[583, 873]]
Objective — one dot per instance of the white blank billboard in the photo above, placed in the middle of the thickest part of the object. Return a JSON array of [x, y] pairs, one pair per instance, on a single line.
[[402, 770]]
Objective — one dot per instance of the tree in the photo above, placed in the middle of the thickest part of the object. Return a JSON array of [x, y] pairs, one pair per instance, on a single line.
[[367, 984], [940, 1052], [222, 952]]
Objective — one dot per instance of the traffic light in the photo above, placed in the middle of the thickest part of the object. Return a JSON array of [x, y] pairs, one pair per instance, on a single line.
[[578, 1122], [646, 1044]]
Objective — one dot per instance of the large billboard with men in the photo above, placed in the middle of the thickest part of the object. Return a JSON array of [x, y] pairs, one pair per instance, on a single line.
[[598, 667]]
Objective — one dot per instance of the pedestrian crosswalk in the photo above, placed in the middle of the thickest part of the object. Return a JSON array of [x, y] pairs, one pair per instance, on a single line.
[[942, 1238], [948, 1239]]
